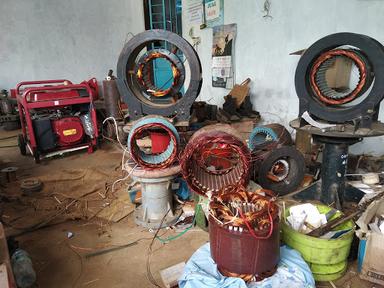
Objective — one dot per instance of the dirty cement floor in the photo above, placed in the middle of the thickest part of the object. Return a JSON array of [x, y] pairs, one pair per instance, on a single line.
[[60, 262]]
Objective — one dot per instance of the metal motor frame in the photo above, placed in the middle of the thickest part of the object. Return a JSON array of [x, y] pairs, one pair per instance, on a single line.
[[157, 209], [353, 122], [153, 161], [131, 89], [205, 181], [362, 114]]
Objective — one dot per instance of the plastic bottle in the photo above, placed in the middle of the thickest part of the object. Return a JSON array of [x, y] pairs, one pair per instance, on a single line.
[[22, 268]]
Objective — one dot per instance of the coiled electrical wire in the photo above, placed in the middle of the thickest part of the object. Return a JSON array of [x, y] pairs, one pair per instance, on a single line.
[[233, 206], [159, 160], [319, 84], [214, 160], [236, 209], [144, 72], [274, 132]]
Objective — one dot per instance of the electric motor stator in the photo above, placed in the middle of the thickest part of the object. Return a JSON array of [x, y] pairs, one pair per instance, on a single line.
[[169, 54], [357, 101]]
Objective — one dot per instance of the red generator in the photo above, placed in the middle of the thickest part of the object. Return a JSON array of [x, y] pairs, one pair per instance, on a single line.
[[56, 116]]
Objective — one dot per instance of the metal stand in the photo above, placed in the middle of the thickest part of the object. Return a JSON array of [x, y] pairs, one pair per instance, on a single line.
[[156, 209], [335, 157], [332, 189]]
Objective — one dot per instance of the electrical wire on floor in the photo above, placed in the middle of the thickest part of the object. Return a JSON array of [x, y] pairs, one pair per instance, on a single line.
[[164, 241], [125, 150], [150, 251], [169, 239]]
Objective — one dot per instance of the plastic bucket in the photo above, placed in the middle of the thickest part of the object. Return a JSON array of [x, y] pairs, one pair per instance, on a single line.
[[326, 257], [201, 220]]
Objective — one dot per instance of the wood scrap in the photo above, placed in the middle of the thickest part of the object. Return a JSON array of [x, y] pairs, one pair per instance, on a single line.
[[240, 91]]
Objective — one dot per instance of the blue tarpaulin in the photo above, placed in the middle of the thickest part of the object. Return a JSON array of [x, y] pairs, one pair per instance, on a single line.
[[201, 271]]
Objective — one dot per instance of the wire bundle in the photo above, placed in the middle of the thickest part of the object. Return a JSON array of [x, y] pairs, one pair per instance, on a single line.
[[153, 160], [214, 160], [249, 221], [240, 210]]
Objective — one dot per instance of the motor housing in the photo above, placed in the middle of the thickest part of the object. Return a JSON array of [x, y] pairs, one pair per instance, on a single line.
[[68, 130]]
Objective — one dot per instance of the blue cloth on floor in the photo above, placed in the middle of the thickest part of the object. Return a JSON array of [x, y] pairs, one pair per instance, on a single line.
[[201, 271]]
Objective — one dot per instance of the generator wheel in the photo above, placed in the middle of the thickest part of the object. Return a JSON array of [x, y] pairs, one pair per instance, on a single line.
[[36, 155], [22, 145]]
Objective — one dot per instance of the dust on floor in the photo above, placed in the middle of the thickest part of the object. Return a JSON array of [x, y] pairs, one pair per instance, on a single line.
[[60, 261]]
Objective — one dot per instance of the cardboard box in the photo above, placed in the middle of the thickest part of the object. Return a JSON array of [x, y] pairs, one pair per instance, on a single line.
[[371, 248]]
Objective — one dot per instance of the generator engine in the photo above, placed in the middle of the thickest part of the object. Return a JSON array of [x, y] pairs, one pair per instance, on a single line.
[[57, 117], [60, 129], [68, 130]]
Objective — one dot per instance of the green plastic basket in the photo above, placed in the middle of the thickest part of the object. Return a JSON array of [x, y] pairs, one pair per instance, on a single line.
[[201, 220], [326, 257]]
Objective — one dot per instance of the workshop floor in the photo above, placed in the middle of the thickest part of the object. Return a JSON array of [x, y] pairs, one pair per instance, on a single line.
[[60, 261]]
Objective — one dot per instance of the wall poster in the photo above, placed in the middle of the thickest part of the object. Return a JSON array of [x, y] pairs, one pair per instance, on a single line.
[[222, 56]]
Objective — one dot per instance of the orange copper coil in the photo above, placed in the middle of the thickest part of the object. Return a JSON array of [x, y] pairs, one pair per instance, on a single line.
[[329, 55], [143, 70], [237, 207]]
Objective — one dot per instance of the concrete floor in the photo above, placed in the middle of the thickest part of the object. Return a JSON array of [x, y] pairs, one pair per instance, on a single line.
[[60, 262]]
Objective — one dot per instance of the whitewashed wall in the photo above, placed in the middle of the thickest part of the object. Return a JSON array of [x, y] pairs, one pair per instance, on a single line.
[[263, 46], [74, 39]]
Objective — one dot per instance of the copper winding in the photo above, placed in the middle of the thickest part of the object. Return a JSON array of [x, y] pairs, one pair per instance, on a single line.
[[328, 55], [253, 212], [138, 132], [223, 148], [262, 151], [141, 69], [257, 217], [248, 277], [279, 171]]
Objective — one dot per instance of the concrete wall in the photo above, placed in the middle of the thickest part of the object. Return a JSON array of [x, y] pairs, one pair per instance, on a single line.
[[79, 39], [74, 39], [263, 45]]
